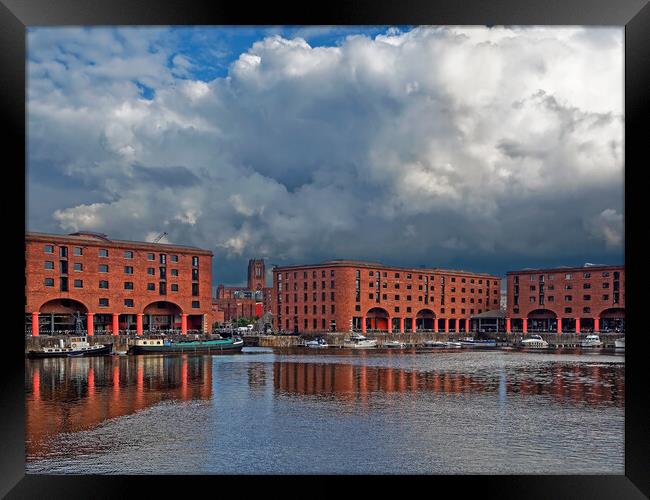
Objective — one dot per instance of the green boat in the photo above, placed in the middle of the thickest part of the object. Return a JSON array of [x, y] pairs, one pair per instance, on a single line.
[[218, 346]]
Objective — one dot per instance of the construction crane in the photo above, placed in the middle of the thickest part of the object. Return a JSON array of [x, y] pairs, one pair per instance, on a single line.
[[159, 237]]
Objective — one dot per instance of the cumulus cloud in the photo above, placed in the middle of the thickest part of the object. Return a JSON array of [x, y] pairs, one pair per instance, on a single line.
[[446, 146]]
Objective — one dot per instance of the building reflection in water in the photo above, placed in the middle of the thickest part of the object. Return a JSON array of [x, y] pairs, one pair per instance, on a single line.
[[594, 385], [73, 394]]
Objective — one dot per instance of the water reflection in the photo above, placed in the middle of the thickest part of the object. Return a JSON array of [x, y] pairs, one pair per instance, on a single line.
[[73, 394], [594, 385]]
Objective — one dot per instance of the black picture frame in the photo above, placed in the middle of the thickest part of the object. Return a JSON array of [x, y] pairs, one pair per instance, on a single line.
[[17, 15]]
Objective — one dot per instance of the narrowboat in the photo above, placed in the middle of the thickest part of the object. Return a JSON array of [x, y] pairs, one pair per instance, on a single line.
[[217, 346]]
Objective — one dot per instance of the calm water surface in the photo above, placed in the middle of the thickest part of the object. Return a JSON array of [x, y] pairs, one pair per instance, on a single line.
[[330, 411]]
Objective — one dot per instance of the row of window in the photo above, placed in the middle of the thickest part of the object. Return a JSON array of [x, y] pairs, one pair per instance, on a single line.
[[128, 254], [315, 311], [585, 286], [567, 298], [372, 273], [129, 303], [569, 276], [103, 268], [128, 285]]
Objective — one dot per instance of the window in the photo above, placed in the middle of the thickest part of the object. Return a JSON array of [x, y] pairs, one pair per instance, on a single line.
[[49, 264], [568, 298], [587, 275], [605, 297], [174, 258], [532, 288], [128, 254], [63, 251], [128, 302], [103, 284], [77, 251], [162, 288], [586, 297], [174, 272], [103, 252], [606, 274], [174, 287], [48, 282], [195, 304], [371, 273], [532, 300], [103, 268], [567, 310], [586, 309], [151, 271], [48, 249], [371, 296], [163, 273], [332, 308], [128, 285], [567, 276], [128, 270], [384, 296], [103, 302], [586, 286], [408, 297], [163, 258], [550, 298], [78, 266], [151, 256], [396, 297], [371, 284], [195, 289], [605, 285], [195, 274], [396, 309], [357, 307], [195, 261], [151, 286]]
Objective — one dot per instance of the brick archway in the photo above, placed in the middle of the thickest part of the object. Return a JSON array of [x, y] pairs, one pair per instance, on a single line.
[[377, 318]]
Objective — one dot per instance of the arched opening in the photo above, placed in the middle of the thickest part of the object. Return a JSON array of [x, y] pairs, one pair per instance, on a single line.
[[61, 316], [162, 316], [377, 319], [424, 320], [612, 320], [542, 320]]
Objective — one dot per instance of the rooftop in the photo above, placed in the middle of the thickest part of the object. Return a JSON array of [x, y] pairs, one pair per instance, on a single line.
[[379, 265], [90, 237], [586, 266]]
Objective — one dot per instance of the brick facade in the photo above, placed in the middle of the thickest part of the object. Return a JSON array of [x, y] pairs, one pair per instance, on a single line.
[[323, 297], [592, 295], [181, 276]]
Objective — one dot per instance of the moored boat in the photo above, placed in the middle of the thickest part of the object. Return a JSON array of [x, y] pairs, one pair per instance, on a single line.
[[591, 340], [534, 342], [319, 343], [357, 341], [470, 342], [619, 343], [435, 343], [453, 344], [216, 346], [77, 347], [394, 344]]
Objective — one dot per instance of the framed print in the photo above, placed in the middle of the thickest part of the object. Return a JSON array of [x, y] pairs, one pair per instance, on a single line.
[[345, 241]]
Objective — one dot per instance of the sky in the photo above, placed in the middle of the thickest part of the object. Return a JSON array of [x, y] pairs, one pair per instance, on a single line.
[[459, 147]]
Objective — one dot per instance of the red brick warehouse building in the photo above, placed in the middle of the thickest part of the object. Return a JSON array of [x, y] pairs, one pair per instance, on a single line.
[[566, 299], [114, 285], [341, 295]]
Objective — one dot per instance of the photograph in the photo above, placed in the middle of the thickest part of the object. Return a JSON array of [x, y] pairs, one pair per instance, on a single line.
[[325, 250]]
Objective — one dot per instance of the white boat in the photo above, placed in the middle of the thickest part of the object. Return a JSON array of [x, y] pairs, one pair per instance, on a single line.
[[619, 343], [435, 343], [317, 344], [394, 344], [453, 344], [470, 342], [357, 341], [591, 341], [534, 342]]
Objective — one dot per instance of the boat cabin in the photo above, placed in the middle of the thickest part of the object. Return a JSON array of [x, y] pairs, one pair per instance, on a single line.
[[149, 342]]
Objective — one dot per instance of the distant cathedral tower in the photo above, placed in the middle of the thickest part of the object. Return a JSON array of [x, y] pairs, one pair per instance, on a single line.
[[256, 274]]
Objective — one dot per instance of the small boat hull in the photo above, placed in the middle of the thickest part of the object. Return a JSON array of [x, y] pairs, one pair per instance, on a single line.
[[103, 351], [619, 343]]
